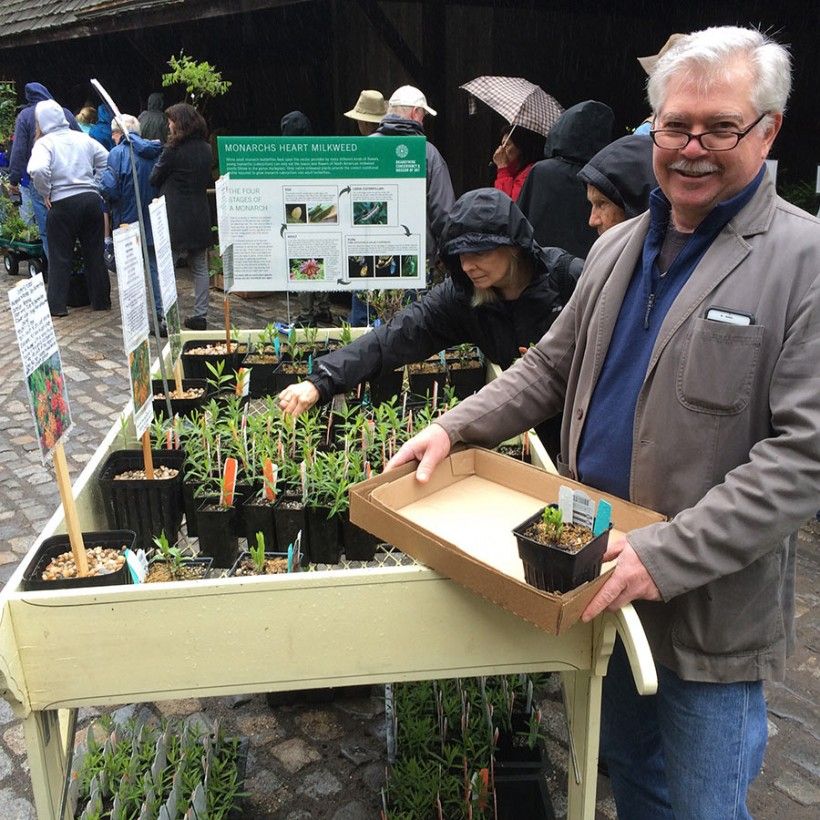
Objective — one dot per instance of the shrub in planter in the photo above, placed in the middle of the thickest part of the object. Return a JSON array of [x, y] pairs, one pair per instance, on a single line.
[[134, 502], [258, 516], [52, 566], [289, 521], [256, 561], [263, 358], [558, 556], [326, 488], [217, 534], [422, 376]]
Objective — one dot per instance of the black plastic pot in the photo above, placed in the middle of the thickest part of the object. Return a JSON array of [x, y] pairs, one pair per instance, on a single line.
[[523, 796], [421, 384], [58, 544], [191, 504], [257, 516], [203, 561], [553, 569], [262, 374], [358, 544], [324, 546], [217, 537], [289, 521], [386, 385], [281, 379], [513, 754], [180, 407], [195, 365], [148, 507], [467, 380], [245, 555]]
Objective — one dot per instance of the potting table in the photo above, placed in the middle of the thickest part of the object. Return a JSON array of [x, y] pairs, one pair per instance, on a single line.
[[63, 650]]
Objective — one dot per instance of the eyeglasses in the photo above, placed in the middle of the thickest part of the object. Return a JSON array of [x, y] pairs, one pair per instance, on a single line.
[[673, 139]]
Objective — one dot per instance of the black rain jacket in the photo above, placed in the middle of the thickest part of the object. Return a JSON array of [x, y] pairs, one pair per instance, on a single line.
[[445, 317], [553, 198]]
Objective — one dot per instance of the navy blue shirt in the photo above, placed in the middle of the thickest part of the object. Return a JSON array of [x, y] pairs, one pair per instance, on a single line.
[[605, 449]]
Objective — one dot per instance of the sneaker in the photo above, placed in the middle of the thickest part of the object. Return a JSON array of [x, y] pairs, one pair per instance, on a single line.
[[196, 323]]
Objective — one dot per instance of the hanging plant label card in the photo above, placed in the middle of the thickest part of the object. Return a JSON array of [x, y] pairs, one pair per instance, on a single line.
[[42, 366], [583, 509], [166, 275], [133, 304]]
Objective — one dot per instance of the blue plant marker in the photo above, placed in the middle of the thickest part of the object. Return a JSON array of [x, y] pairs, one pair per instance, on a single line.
[[377, 322], [310, 365], [290, 557], [277, 346], [603, 517], [442, 358]]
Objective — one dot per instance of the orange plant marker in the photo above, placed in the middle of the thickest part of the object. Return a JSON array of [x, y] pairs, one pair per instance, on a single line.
[[228, 482], [75, 535], [269, 472], [147, 458]]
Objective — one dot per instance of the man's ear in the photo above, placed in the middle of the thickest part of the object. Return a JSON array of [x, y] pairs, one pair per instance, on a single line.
[[772, 130]]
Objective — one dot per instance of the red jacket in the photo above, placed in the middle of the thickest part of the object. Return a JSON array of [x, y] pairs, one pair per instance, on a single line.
[[512, 183]]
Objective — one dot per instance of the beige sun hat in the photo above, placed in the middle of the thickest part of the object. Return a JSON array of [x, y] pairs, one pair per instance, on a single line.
[[648, 63], [370, 107]]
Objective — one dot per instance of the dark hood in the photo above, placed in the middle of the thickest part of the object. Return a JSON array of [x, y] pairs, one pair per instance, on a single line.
[[623, 173], [296, 124], [36, 92], [393, 125], [155, 101], [581, 131], [490, 218]]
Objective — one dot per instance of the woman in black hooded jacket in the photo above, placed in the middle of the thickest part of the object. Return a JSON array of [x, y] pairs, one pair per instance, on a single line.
[[503, 293]]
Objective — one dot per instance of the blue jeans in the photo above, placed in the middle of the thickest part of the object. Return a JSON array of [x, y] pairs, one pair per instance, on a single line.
[[154, 271], [40, 214], [26, 205], [358, 312], [689, 752]]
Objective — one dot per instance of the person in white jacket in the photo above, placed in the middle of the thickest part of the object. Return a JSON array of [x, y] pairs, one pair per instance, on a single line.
[[66, 167]]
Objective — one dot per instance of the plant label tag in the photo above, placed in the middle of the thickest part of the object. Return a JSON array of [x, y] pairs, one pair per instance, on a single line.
[[337, 403], [565, 503], [310, 365], [269, 472], [277, 346], [603, 517], [583, 509], [228, 482], [290, 557], [137, 565]]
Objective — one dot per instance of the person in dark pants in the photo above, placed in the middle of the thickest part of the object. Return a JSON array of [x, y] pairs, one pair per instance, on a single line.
[[183, 175], [66, 167]]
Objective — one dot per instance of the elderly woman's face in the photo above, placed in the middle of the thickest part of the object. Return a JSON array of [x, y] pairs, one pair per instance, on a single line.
[[488, 269]]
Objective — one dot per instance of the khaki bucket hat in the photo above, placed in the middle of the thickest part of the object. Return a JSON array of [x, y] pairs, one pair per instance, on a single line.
[[370, 107], [648, 63]]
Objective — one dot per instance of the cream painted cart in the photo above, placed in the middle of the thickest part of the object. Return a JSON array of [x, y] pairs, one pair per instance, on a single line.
[[67, 649]]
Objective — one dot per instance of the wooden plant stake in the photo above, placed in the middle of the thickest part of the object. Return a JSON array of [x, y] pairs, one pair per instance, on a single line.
[[75, 535], [147, 458], [178, 376]]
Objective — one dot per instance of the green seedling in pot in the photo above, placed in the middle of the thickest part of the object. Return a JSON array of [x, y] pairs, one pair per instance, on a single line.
[[552, 520], [173, 556], [218, 380], [258, 553]]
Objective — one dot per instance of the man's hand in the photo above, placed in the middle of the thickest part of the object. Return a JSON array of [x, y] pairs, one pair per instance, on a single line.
[[296, 398], [47, 201], [629, 582], [430, 447]]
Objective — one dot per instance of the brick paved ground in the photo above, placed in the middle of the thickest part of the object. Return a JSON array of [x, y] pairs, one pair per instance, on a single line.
[[322, 760]]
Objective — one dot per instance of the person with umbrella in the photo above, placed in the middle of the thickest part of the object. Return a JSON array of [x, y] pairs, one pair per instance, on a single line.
[[519, 150]]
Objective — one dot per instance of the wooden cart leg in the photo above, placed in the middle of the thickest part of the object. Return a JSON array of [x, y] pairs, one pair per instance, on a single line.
[[583, 691], [47, 740]]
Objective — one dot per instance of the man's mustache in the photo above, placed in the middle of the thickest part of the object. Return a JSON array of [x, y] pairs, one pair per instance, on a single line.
[[694, 166]]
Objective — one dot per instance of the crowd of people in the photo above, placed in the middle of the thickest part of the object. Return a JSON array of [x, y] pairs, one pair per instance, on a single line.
[[655, 305]]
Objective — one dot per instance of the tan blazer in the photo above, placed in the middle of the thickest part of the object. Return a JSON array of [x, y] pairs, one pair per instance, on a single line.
[[726, 437]]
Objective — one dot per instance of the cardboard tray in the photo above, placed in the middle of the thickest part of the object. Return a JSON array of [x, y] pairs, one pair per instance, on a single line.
[[460, 524]]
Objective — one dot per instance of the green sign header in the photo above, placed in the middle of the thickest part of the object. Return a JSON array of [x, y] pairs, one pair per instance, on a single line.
[[322, 157]]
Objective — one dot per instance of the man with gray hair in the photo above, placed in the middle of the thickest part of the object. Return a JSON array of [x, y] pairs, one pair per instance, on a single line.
[[686, 365], [406, 111], [118, 190]]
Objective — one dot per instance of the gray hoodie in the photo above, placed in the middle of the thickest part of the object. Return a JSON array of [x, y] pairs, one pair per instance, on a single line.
[[63, 162]]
